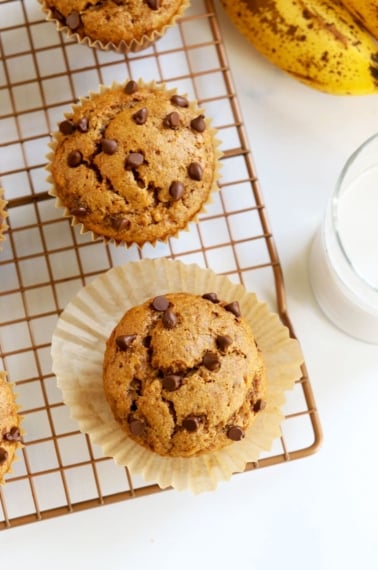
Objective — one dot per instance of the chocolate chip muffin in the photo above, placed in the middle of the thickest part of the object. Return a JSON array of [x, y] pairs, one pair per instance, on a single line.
[[183, 374], [3, 215], [10, 433], [122, 25], [134, 163]]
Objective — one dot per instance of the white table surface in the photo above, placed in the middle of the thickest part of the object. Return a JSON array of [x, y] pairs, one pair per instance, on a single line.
[[317, 513]]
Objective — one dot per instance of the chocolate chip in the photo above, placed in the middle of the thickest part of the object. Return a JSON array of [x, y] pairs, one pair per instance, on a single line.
[[223, 342], [147, 341], [172, 382], [131, 87], [213, 297], [134, 160], [67, 127], [109, 146], [136, 385], [198, 124], [153, 4], [191, 423], [82, 125], [172, 120], [119, 223], [136, 427], [124, 341], [169, 319], [233, 308], [236, 433], [211, 360], [73, 20], [176, 190], [13, 435], [195, 171], [179, 101], [79, 211], [140, 117], [259, 405], [74, 158], [160, 303], [3, 455]]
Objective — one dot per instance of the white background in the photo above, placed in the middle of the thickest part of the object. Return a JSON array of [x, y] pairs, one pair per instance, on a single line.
[[317, 513]]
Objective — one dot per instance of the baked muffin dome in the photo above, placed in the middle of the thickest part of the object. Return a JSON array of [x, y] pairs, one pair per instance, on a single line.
[[10, 434], [183, 375]]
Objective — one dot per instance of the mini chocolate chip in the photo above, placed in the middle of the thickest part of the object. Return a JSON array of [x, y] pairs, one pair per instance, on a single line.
[[82, 125], [109, 146], [160, 303], [13, 435], [137, 427], [236, 433], [134, 160], [73, 20], [124, 341], [169, 319], [198, 124], [140, 117], [211, 360], [213, 297], [74, 158], [259, 405], [131, 87], [176, 190], [172, 382], [67, 127], [172, 120], [79, 211], [233, 308], [147, 341], [3, 455], [223, 342], [195, 171], [191, 423], [136, 385], [153, 4], [179, 101], [119, 223]]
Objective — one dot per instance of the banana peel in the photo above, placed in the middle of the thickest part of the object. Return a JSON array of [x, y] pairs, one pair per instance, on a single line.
[[318, 42], [366, 12]]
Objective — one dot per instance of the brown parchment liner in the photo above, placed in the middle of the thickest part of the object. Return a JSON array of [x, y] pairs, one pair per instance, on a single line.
[[78, 346], [57, 136], [5, 385], [123, 46], [3, 215]]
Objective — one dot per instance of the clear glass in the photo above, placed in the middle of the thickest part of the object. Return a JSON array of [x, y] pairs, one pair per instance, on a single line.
[[343, 261]]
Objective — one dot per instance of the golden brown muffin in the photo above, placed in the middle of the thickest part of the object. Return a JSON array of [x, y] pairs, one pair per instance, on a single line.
[[3, 215], [134, 163], [183, 375], [10, 433], [123, 25]]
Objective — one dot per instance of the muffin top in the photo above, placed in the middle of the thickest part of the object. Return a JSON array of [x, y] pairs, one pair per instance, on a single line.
[[183, 375], [115, 21], [10, 435], [134, 163]]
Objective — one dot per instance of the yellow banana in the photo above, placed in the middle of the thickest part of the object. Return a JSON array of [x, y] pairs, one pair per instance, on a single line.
[[318, 42], [366, 11]]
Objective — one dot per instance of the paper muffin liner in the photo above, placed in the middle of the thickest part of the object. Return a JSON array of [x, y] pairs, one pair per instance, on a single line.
[[78, 347], [3, 216], [19, 444], [135, 45], [57, 136]]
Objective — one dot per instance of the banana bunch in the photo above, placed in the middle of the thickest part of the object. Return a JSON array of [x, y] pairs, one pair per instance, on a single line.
[[319, 42]]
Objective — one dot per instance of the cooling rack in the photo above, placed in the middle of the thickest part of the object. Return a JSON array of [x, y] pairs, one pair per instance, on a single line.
[[45, 261]]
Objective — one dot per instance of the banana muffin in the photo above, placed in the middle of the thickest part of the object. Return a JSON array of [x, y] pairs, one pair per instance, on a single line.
[[10, 433], [134, 163], [3, 215], [183, 375], [122, 25]]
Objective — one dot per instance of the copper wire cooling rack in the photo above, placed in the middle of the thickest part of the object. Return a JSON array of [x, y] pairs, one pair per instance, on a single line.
[[45, 261]]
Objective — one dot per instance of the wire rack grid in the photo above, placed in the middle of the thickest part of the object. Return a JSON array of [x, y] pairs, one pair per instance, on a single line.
[[45, 260]]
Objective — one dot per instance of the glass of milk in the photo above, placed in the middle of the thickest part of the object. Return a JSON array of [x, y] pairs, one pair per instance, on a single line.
[[343, 260]]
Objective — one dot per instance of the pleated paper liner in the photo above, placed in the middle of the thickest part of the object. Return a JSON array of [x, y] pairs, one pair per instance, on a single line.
[[9, 418], [131, 44], [78, 347], [57, 137], [3, 216]]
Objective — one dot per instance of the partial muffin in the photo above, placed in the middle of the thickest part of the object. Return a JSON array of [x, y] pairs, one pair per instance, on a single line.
[[134, 163], [183, 375], [10, 431], [3, 215], [121, 25]]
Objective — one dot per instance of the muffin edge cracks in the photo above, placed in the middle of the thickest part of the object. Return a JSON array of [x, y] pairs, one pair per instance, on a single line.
[[134, 163]]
